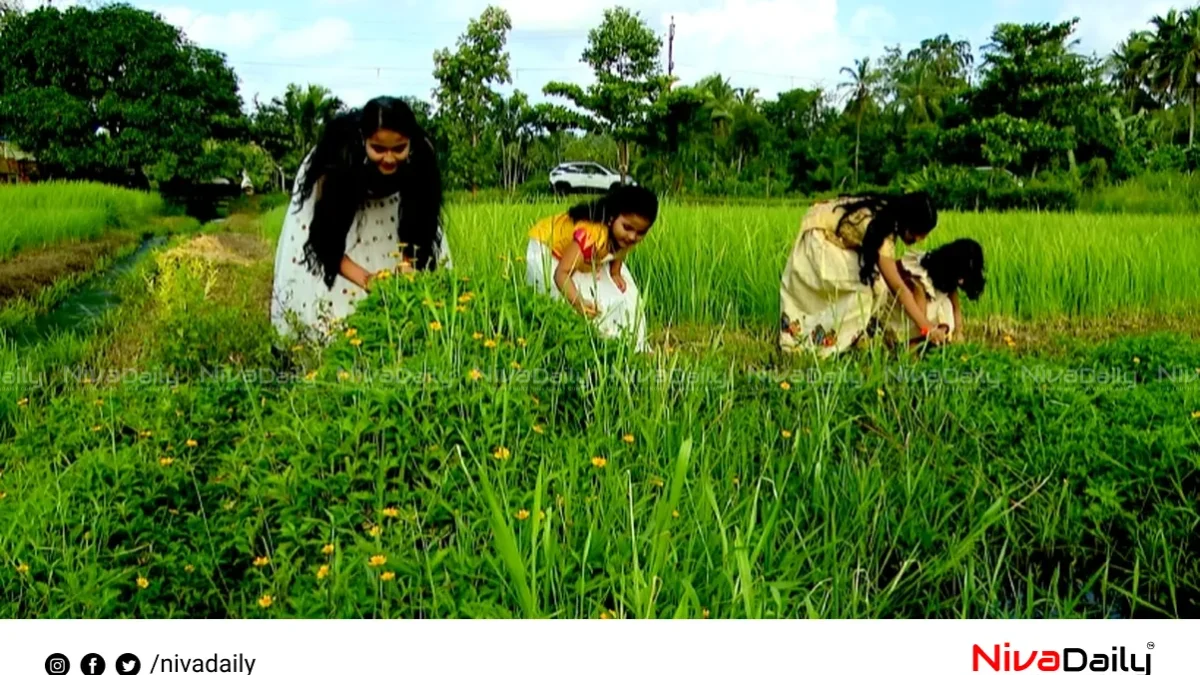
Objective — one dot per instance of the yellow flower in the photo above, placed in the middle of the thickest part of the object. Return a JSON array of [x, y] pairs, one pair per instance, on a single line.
[[22, 403], [787, 434], [489, 344], [605, 615], [1136, 360], [351, 332], [465, 298], [461, 309], [143, 583], [378, 560], [1196, 415], [657, 482], [265, 601], [375, 531], [435, 326], [387, 576], [99, 402], [166, 461], [298, 348], [705, 614], [391, 512], [22, 568], [439, 304], [322, 571], [521, 342], [514, 365], [879, 393], [785, 385], [311, 376], [191, 443], [964, 358], [356, 342], [476, 375], [599, 462], [628, 438], [3, 496], [343, 376], [327, 549], [262, 561], [523, 514], [97, 428], [146, 434], [477, 336], [502, 453], [675, 514], [537, 429], [189, 568]]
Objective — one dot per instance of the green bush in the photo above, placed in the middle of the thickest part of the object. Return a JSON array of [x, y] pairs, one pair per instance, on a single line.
[[1165, 192]]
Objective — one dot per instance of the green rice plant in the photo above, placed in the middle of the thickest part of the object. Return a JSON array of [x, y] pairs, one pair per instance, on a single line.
[[45, 213]]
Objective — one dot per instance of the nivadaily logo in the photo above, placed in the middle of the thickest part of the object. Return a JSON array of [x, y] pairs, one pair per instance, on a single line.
[[1069, 660]]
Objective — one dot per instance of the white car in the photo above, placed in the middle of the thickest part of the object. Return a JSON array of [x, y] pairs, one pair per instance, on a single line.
[[584, 177]]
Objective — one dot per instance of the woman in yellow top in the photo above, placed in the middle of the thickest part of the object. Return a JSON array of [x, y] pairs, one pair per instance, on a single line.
[[831, 286], [580, 255]]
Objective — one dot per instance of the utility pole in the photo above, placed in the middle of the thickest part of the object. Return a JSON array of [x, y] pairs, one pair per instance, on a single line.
[[671, 49]]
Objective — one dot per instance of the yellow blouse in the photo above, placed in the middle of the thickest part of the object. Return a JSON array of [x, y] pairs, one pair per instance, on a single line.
[[826, 217], [558, 232]]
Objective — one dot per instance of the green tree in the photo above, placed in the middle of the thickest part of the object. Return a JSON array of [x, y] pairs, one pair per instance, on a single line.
[[465, 98], [624, 55], [115, 94], [289, 128], [1129, 68], [9, 8], [1174, 54], [863, 87]]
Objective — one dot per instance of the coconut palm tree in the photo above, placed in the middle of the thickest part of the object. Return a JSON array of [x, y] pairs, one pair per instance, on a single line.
[[1129, 67], [862, 85], [1174, 55]]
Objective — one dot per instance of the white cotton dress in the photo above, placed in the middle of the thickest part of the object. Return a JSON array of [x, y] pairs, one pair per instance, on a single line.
[[300, 299], [939, 308]]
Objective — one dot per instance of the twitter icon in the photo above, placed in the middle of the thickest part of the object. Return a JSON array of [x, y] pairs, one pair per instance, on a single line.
[[128, 664]]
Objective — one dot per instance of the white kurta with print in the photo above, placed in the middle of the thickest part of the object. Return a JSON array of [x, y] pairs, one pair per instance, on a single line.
[[301, 296]]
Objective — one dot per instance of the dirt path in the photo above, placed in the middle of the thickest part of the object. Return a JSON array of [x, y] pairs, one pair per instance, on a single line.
[[23, 275]]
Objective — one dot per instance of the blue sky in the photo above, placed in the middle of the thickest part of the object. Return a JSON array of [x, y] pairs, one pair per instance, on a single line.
[[364, 48]]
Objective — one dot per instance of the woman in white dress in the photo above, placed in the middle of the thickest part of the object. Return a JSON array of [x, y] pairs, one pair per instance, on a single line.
[[367, 199]]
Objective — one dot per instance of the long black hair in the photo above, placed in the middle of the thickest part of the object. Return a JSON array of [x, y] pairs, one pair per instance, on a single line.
[[619, 201], [343, 178], [961, 259], [891, 215]]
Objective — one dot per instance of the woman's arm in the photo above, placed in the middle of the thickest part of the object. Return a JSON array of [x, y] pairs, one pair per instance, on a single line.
[[891, 275], [571, 261], [354, 273]]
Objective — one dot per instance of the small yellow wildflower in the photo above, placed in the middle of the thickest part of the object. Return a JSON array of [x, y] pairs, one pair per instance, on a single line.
[[97, 428], [262, 561], [605, 615], [599, 462], [265, 601], [146, 434], [1136, 360], [514, 365], [657, 482], [502, 453], [476, 375], [391, 512], [191, 443], [375, 531], [465, 298], [435, 326], [461, 309], [523, 514], [489, 344], [628, 438], [143, 583], [705, 613], [378, 560], [477, 336], [351, 332], [787, 433], [99, 402], [322, 571], [1196, 415], [521, 342], [22, 403], [387, 576], [879, 393], [785, 385], [675, 514], [311, 377], [3, 496], [189, 568], [356, 342], [343, 376], [22, 568], [166, 461], [538, 429], [327, 549]]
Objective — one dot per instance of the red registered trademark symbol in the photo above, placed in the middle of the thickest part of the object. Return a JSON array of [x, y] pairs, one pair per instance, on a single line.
[[1149, 645]]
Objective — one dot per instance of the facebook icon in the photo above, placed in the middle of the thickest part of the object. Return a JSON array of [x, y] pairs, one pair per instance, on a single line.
[[92, 664]]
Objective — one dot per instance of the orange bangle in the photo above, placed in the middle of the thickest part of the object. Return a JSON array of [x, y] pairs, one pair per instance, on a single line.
[[924, 331]]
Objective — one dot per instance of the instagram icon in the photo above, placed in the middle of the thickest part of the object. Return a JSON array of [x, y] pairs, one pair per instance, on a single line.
[[57, 664]]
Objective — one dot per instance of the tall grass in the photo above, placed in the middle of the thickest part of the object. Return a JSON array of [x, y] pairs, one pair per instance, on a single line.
[[45, 213], [1161, 193], [708, 264]]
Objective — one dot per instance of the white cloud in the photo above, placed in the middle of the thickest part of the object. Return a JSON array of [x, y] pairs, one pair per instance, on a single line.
[[557, 15], [872, 20], [1105, 23], [235, 30], [324, 37]]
